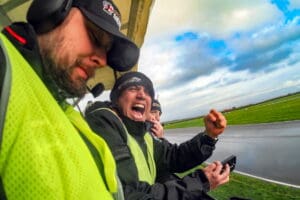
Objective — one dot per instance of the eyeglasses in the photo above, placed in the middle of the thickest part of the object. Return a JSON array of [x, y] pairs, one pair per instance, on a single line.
[[99, 37]]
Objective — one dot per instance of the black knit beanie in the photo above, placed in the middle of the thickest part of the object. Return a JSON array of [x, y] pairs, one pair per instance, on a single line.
[[131, 79], [156, 106]]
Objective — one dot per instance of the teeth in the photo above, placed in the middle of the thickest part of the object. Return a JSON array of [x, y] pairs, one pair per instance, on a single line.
[[139, 106]]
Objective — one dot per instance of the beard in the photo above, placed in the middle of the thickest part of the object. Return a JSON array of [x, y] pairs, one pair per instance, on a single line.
[[60, 75]]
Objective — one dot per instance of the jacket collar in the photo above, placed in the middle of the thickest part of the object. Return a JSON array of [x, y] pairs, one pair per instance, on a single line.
[[134, 127], [24, 38]]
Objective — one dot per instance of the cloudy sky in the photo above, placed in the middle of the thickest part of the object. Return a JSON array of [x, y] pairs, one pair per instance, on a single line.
[[204, 54]]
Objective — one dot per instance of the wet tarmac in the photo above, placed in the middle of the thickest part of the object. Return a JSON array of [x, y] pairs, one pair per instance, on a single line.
[[269, 151]]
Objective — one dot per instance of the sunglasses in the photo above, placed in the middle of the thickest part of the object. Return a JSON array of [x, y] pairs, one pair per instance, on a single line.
[[98, 36]]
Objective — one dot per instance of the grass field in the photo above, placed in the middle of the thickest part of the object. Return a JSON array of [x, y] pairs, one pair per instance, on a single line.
[[275, 110], [251, 188]]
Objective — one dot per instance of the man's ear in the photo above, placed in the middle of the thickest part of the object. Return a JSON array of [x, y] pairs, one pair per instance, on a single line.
[[44, 16]]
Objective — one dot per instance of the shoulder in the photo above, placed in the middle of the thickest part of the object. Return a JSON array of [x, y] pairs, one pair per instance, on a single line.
[[101, 111], [103, 119], [97, 106]]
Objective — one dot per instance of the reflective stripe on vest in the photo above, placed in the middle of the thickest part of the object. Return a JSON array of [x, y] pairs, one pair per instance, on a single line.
[[146, 170], [42, 155], [108, 170]]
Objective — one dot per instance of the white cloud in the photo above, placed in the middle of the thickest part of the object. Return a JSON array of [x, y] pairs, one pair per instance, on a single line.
[[292, 83], [270, 37], [258, 61], [157, 61], [199, 78], [217, 18], [225, 89]]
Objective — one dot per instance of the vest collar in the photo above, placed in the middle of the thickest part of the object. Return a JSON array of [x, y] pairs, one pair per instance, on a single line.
[[24, 39]]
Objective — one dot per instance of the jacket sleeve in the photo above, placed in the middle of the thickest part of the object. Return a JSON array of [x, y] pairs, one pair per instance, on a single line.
[[193, 186], [179, 158], [190, 187]]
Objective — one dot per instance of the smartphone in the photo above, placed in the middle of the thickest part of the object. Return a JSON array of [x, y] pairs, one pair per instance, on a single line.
[[231, 161]]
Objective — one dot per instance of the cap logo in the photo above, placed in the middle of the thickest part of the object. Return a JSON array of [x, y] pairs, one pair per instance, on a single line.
[[110, 10], [130, 81]]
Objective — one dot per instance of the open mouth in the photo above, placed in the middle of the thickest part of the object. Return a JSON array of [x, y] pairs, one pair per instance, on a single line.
[[139, 109]]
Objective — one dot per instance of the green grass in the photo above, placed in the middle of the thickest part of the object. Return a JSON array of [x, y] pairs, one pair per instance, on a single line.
[[280, 109], [185, 124], [251, 188]]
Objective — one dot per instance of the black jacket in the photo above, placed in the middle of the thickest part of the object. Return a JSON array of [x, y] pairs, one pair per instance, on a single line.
[[169, 158]]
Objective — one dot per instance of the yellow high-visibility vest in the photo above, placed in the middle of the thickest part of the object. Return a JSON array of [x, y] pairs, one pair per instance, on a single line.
[[42, 154]]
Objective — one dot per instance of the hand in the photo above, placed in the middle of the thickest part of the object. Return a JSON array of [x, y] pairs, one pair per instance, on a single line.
[[214, 175], [215, 123], [157, 129]]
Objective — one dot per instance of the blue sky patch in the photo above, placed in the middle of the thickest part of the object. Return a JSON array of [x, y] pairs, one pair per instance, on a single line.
[[186, 36], [283, 5]]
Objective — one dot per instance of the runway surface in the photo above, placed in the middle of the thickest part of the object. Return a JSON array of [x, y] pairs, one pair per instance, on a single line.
[[269, 151]]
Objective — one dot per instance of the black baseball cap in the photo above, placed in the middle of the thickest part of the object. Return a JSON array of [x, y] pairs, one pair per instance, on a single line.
[[131, 79], [46, 15], [124, 53]]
